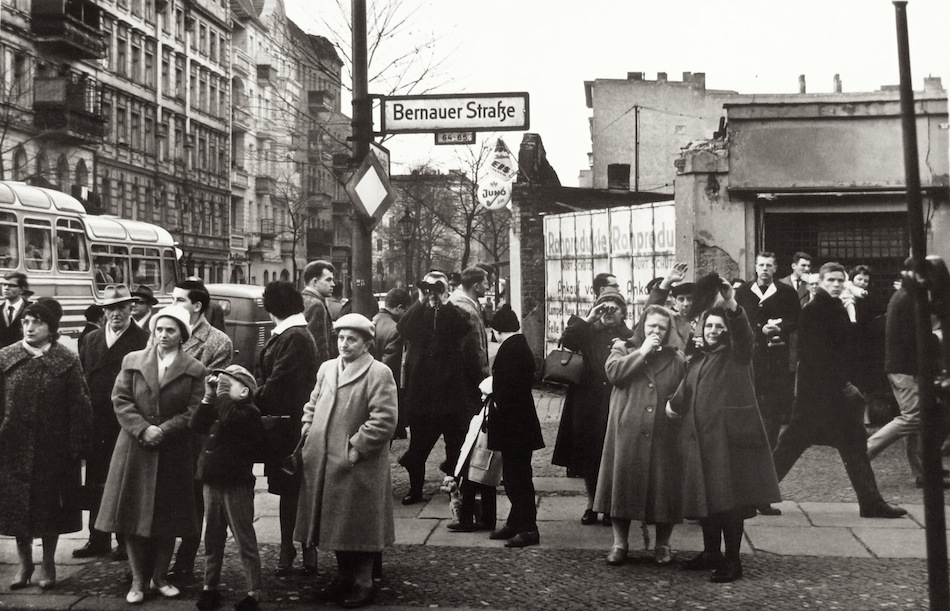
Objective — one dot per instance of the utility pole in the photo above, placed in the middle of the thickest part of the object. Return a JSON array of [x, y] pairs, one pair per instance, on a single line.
[[937, 574], [362, 236], [636, 148]]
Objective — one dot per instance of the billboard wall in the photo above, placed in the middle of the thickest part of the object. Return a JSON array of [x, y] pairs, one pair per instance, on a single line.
[[635, 244]]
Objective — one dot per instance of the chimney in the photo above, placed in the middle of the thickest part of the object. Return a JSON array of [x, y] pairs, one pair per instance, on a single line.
[[687, 77], [837, 83], [933, 83], [801, 83], [661, 77], [699, 79], [634, 76]]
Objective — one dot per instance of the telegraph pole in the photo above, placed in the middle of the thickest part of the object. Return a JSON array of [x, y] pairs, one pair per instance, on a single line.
[[362, 236], [937, 574]]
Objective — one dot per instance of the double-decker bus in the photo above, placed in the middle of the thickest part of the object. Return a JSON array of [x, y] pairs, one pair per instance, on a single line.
[[72, 256]]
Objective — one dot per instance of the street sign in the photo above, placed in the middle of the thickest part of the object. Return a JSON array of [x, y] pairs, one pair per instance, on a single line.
[[478, 112], [370, 191], [450, 138]]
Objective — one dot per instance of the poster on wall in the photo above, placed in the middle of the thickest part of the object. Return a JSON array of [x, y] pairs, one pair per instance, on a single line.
[[635, 244]]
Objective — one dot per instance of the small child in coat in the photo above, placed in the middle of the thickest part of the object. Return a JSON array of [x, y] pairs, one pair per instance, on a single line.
[[235, 436]]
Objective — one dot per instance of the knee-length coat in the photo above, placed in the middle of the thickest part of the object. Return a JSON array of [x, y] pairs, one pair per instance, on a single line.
[[727, 463], [580, 436], [639, 470], [44, 429], [150, 491], [344, 506]]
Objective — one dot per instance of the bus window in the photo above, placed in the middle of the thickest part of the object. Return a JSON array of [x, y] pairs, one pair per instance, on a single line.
[[111, 263], [169, 271], [71, 254], [37, 239], [9, 249], [147, 267]]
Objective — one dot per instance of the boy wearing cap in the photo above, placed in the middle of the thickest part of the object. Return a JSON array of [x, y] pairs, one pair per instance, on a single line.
[[235, 436]]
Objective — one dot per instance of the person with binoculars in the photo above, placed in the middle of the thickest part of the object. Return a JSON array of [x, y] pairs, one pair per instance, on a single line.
[[434, 329]]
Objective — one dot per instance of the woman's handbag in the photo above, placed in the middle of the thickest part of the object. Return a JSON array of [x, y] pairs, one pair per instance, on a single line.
[[563, 366], [293, 464], [484, 465]]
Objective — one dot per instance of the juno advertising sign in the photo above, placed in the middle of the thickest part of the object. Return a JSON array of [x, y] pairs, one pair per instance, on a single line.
[[635, 244], [408, 114]]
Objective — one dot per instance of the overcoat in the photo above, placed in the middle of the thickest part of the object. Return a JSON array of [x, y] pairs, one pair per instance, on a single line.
[[639, 469], [772, 359], [344, 506], [211, 347], [387, 343], [435, 373], [44, 429], [12, 333], [320, 324], [727, 463], [149, 491], [288, 366], [474, 349], [513, 423], [580, 436]]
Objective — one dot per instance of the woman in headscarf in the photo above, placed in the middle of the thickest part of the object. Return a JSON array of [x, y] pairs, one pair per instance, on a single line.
[[727, 464], [346, 499], [580, 437], [149, 494], [45, 425], [639, 470]]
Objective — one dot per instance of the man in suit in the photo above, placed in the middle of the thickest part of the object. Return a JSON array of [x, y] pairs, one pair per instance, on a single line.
[[801, 267], [213, 348], [15, 290], [829, 410], [143, 304], [101, 353], [773, 309]]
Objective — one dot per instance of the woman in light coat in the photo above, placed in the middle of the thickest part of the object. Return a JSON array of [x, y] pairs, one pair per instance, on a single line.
[[45, 424], [639, 469], [346, 500], [727, 463], [149, 495]]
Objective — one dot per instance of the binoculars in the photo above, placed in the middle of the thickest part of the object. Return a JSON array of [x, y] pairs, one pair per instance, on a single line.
[[435, 288]]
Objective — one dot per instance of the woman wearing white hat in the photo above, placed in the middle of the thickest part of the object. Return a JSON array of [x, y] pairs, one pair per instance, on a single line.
[[346, 499], [148, 495]]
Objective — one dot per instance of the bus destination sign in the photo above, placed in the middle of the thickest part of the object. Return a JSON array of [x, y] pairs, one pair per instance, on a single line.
[[455, 113]]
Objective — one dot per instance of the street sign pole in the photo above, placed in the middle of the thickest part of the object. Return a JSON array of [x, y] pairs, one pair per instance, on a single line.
[[362, 124], [934, 522]]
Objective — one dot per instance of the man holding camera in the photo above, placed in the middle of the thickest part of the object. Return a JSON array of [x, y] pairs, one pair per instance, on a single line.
[[434, 329]]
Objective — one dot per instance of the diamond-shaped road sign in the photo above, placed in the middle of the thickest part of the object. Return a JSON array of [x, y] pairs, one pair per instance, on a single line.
[[370, 191]]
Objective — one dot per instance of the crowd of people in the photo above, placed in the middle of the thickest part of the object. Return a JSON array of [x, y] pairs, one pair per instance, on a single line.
[[702, 408]]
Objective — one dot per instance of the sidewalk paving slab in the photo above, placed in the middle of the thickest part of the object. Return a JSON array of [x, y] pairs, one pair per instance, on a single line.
[[559, 484], [45, 602], [792, 515], [410, 531], [894, 542], [847, 515], [566, 508], [917, 513], [443, 537], [438, 508], [807, 541]]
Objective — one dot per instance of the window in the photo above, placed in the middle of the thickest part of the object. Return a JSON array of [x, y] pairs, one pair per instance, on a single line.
[[618, 176], [147, 267], [106, 190], [213, 95], [166, 18], [21, 78], [37, 240], [122, 44], [166, 87], [150, 65], [112, 264], [121, 126], [193, 86], [180, 77], [179, 137], [71, 253], [149, 132], [136, 73], [203, 153], [9, 246], [150, 11], [141, 205], [169, 271], [136, 130], [107, 115], [179, 24], [203, 39], [203, 92], [213, 47]]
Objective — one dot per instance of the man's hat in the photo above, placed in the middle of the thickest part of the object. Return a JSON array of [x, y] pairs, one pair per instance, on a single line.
[[145, 294], [116, 294], [683, 288], [240, 374]]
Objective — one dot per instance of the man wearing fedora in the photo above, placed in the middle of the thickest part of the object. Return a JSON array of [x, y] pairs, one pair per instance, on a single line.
[[101, 353], [143, 304], [15, 289]]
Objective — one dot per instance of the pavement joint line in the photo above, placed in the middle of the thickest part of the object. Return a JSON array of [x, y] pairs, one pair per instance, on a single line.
[[862, 543]]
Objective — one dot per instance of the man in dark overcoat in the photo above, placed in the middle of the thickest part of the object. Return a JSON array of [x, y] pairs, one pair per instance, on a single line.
[[388, 345], [16, 289], [101, 353], [435, 329], [830, 410]]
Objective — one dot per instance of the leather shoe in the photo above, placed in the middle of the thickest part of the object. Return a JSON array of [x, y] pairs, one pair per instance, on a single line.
[[524, 539], [616, 556], [167, 590], [359, 596], [336, 589], [728, 571], [768, 510], [663, 555], [135, 597], [703, 561], [883, 510], [89, 550], [412, 498], [589, 517], [208, 599], [607, 521], [462, 527], [505, 532]]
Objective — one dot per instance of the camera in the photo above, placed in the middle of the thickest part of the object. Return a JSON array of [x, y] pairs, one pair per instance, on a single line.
[[434, 288]]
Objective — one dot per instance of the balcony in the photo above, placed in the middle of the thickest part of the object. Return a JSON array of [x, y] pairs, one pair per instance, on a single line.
[[239, 179], [318, 201], [68, 106], [266, 73], [241, 120], [265, 185], [238, 241], [319, 243], [70, 27], [241, 63], [319, 101]]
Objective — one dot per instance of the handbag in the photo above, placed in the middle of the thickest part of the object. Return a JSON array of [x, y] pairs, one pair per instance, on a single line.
[[484, 465], [293, 464], [563, 366]]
